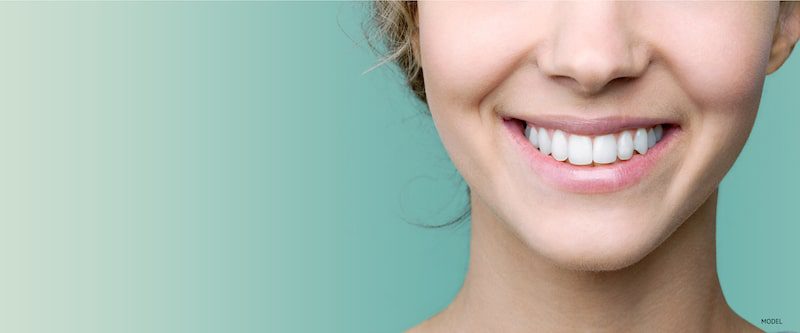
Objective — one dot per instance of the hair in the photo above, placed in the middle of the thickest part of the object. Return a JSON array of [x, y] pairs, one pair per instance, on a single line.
[[394, 25]]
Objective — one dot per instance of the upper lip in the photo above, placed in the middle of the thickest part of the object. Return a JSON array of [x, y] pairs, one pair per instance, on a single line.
[[593, 126]]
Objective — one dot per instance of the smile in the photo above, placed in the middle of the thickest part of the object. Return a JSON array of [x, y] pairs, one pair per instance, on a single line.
[[592, 156], [592, 150]]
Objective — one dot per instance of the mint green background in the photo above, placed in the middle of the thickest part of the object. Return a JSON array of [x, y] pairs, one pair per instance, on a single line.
[[226, 167]]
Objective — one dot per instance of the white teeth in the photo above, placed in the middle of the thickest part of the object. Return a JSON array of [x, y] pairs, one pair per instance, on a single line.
[[640, 141], [559, 147], [659, 132], [533, 137], [604, 149], [625, 146], [544, 141], [580, 150]]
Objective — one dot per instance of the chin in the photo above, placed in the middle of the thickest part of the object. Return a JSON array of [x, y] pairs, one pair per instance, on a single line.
[[600, 260], [607, 243]]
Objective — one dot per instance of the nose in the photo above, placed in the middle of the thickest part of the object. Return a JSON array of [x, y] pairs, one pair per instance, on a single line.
[[593, 45]]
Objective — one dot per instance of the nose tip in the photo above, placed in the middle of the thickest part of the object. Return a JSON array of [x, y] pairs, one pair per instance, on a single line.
[[592, 48], [589, 73]]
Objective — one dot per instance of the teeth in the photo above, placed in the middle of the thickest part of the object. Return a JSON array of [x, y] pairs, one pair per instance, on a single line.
[[604, 149], [640, 141], [625, 146], [544, 141], [580, 150], [533, 137], [586, 150], [559, 147]]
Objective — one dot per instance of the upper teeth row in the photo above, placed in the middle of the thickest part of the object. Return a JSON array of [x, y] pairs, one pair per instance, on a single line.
[[583, 150]]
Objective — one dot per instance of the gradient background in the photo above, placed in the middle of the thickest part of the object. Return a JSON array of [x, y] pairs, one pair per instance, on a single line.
[[226, 167]]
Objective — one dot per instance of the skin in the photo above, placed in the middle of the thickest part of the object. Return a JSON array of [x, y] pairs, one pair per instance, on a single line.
[[639, 259]]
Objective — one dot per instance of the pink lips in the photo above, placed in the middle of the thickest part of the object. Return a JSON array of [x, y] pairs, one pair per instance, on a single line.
[[591, 179]]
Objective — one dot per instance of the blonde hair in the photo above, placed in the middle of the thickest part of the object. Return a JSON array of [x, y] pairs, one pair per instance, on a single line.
[[395, 23]]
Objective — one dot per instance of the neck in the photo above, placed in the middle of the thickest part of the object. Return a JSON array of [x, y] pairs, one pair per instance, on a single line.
[[508, 288]]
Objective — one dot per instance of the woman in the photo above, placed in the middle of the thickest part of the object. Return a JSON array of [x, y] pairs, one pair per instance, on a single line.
[[593, 138]]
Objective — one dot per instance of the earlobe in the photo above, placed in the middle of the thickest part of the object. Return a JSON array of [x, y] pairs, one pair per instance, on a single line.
[[787, 32], [781, 49]]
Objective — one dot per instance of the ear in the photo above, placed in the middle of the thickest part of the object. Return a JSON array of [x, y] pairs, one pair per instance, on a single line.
[[787, 32]]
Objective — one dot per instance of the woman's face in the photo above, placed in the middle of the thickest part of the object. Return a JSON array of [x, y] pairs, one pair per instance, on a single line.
[[595, 81]]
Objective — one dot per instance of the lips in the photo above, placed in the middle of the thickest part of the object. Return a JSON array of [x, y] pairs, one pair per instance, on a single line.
[[614, 165]]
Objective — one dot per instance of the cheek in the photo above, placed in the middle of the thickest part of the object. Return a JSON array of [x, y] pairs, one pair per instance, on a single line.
[[467, 50], [719, 82], [719, 60], [725, 86], [726, 83], [719, 65]]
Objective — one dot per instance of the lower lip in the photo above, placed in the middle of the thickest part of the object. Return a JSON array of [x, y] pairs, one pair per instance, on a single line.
[[590, 179]]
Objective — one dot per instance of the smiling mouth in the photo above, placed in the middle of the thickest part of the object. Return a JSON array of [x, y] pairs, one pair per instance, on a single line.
[[611, 147], [593, 150], [593, 156]]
